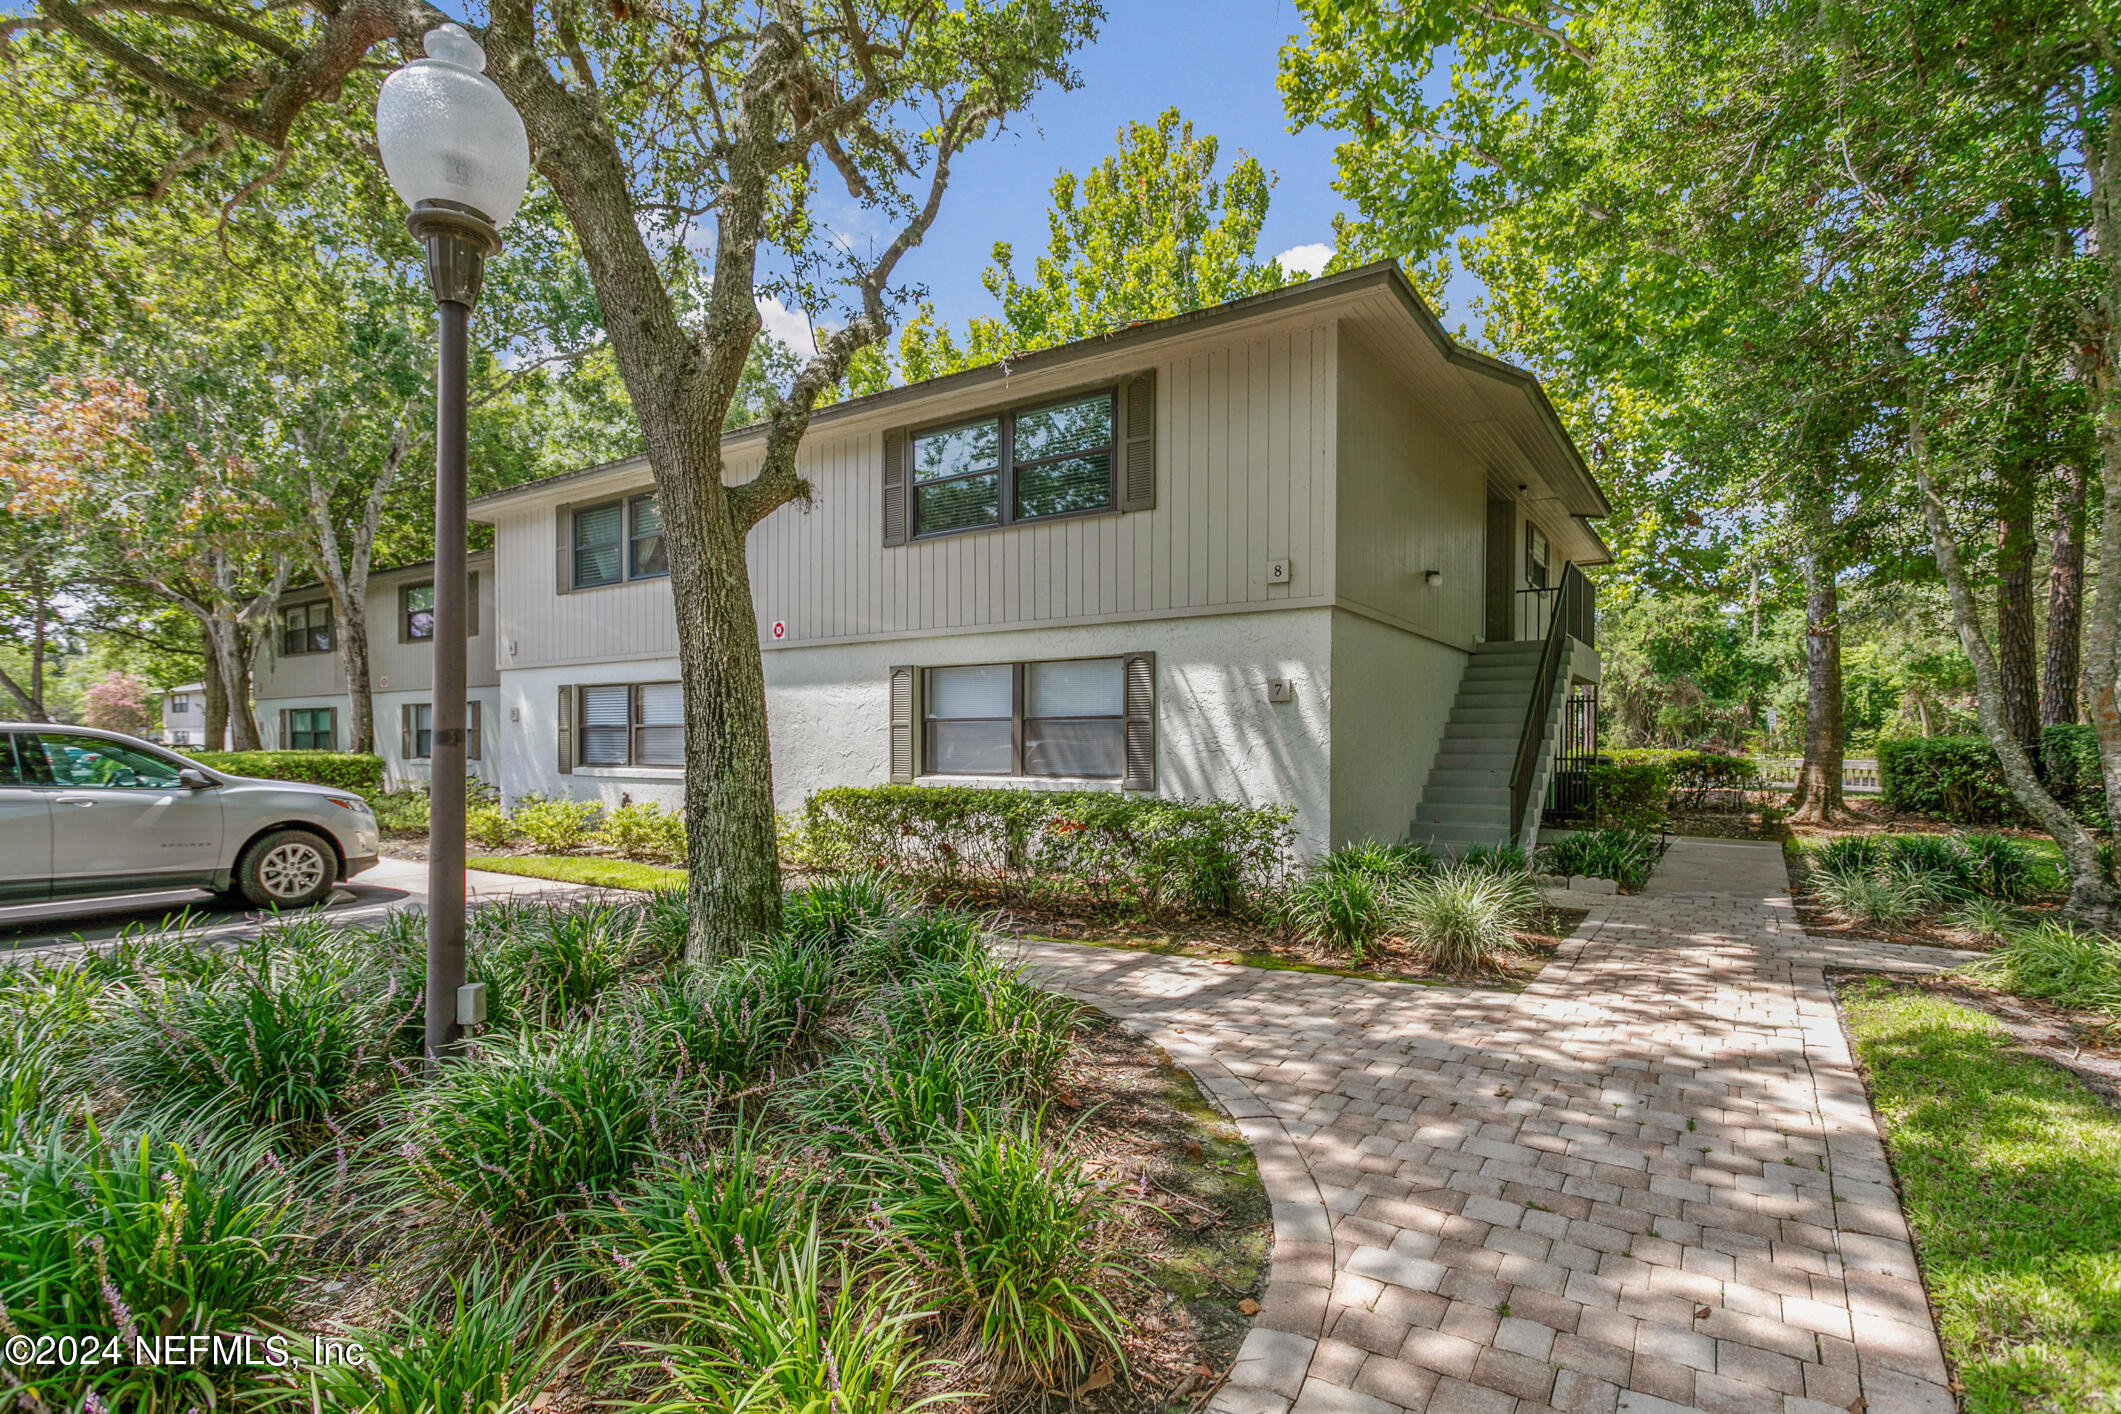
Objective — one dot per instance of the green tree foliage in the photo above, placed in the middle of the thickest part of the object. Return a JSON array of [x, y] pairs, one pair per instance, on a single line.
[[1148, 232]]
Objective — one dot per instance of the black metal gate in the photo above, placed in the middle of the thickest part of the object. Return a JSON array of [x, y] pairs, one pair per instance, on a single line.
[[1570, 796]]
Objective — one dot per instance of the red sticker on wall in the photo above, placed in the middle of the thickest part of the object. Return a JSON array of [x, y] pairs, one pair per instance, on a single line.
[[780, 630]]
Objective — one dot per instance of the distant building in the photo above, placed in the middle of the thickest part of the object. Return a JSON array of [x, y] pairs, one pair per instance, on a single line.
[[184, 715]]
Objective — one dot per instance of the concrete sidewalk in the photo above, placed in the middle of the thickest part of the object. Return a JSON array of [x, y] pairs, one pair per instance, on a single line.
[[1648, 1183]]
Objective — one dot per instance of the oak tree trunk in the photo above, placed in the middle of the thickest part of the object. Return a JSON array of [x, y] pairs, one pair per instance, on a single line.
[[350, 623], [1818, 798], [734, 889], [2065, 602], [2017, 661], [216, 694]]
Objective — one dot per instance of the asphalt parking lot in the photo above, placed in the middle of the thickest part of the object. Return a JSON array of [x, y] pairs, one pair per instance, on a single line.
[[43, 929]]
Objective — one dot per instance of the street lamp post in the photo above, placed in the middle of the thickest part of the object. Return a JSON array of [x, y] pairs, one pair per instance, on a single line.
[[457, 154]]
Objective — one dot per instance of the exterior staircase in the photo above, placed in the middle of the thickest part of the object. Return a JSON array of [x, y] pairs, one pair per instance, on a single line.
[[1467, 800]]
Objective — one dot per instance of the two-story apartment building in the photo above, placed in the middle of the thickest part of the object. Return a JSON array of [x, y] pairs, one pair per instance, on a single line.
[[300, 684], [184, 715], [1302, 548]]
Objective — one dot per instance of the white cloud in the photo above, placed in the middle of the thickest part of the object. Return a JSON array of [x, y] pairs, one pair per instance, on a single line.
[[788, 325], [1310, 259]]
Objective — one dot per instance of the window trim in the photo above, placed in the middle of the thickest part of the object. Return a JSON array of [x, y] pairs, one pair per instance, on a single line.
[[410, 731], [1005, 470], [331, 629], [1019, 719], [625, 501], [634, 727]]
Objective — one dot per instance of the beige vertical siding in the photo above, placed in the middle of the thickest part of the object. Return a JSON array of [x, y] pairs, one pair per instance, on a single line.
[[1245, 438], [1413, 498]]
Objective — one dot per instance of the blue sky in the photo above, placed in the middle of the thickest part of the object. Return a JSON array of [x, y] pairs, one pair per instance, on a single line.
[[1215, 62]]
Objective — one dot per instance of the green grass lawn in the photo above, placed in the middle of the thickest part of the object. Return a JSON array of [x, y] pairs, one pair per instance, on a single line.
[[2011, 1172], [582, 869]]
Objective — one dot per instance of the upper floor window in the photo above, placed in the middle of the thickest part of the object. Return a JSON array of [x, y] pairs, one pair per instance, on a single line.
[[419, 611], [619, 540], [306, 628], [1026, 464], [416, 611]]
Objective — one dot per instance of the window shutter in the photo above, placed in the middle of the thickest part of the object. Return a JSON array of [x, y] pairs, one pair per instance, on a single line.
[[903, 715], [566, 731], [1140, 722], [471, 730], [1137, 442], [331, 726], [471, 606], [563, 551], [894, 491], [286, 736], [404, 731]]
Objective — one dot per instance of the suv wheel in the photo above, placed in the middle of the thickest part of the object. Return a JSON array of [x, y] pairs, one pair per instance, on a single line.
[[286, 869]]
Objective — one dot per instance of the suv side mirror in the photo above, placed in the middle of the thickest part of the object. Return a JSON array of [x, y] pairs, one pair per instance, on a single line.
[[196, 780]]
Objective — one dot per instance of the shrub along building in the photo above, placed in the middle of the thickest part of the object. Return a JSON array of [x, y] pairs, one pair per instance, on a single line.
[[1301, 549], [300, 684]]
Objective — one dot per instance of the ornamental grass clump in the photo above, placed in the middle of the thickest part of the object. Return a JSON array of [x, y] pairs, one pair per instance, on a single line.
[[1873, 896], [838, 911], [50, 1030], [1936, 871], [725, 1024], [799, 1336], [898, 945], [2002, 868], [1464, 919], [1388, 862], [546, 961], [1346, 911], [297, 1032], [1624, 856], [1008, 1239], [689, 1225], [169, 1229], [977, 997], [488, 1347], [896, 1090], [532, 1125], [2057, 963]]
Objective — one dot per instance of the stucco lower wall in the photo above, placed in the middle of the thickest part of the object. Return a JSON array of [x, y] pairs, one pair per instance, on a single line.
[[1392, 695], [390, 736], [828, 709]]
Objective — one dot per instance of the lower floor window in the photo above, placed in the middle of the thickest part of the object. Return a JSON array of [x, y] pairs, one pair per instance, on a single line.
[[416, 731], [633, 724], [1064, 718], [312, 728]]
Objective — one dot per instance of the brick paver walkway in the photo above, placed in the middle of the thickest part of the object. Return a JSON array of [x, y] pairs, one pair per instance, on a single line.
[[1649, 1183]]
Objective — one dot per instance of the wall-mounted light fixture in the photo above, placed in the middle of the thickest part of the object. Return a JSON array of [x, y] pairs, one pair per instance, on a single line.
[[1433, 577]]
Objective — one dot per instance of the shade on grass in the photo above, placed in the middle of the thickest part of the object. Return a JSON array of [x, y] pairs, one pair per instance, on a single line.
[[582, 869], [2011, 1174]]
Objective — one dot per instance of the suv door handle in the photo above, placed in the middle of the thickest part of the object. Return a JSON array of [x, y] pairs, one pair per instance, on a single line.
[[75, 800]]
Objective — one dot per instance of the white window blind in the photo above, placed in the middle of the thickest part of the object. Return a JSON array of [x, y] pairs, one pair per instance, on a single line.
[[983, 691], [661, 738], [1085, 688], [604, 725]]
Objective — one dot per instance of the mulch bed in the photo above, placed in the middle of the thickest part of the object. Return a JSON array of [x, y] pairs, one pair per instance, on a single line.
[[1242, 943], [1200, 1230]]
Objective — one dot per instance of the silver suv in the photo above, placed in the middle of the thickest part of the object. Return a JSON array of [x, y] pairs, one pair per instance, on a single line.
[[86, 812]]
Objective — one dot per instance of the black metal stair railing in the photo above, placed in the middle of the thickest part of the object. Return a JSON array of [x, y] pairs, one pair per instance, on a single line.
[[1574, 617]]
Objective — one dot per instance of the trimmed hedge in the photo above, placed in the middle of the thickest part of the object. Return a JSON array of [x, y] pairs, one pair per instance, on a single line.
[[346, 770], [1691, 777], [1164, 856], [1958, 778], [1631, 795]]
